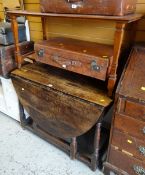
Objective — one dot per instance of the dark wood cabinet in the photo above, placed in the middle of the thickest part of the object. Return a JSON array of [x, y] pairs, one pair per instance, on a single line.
[[126, 154]]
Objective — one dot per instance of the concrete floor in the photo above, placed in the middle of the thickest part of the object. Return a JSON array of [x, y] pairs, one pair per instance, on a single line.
[[23, 153]]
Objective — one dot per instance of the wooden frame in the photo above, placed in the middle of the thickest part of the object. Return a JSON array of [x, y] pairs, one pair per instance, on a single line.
[[70, 148], [118, 36]]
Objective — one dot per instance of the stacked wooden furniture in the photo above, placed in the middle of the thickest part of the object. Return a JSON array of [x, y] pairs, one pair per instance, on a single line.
[[127, 144], [7, 48], [64, 106], [111, 61]]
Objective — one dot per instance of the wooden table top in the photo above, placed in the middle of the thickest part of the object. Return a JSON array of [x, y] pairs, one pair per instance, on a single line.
[[126, 18]]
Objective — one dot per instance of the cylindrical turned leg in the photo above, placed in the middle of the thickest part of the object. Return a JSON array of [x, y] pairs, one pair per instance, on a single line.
[[95, 156], [22, 115], [23, 119], [14, 25], [73, 148]]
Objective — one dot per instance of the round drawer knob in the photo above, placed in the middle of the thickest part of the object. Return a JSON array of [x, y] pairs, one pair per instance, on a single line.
[[142, 150], [139, 170]]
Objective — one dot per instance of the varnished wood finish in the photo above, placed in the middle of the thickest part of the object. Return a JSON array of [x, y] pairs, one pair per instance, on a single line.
[[129, 125], [62, 107], [16, 41], [76, 56], [132, 109], [127, 142], [118, 36], [81, 104], [7, 57], [118, 40], [124, 162], [132, 85], [117, 7], [126, 18]]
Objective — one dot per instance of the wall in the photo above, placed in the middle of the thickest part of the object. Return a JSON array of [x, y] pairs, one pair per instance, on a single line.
[[91, 30]]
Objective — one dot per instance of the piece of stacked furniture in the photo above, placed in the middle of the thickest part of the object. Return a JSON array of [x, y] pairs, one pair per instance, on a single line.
[[126, 154], [9, 101], [67, 91]]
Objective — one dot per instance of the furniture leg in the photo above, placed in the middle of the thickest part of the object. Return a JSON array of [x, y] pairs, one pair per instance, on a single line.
[[14, 25], [95, 157], [133, 32], [43, 19], [118, 40], [22, 115], [23, 120], [73, 148]]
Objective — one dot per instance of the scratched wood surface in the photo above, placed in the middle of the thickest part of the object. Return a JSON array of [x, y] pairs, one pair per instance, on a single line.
[[91, 30], [65, 105]]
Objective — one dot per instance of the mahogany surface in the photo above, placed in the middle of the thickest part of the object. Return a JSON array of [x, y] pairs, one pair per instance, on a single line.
[[7, 56], [124, 162], [87, 58], [126, 153], [105, 7], [126, 18], [128, 144], [63, 104], [121, 22]]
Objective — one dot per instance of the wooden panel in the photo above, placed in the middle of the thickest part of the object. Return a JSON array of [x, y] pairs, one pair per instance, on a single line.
[[127, 163], [90, 30], [132, 127]]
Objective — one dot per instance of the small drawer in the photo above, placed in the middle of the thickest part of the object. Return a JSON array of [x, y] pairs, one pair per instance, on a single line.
[[126, 163], [128, 144], [132, 109], [82, 57], [130, 125]]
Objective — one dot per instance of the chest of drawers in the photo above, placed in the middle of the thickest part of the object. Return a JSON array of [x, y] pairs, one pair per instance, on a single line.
[[127, 144]]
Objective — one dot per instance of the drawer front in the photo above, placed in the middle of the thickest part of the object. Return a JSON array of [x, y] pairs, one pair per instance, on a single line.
[[131, 126], [132, 109], [128, 144], [126, 163], [7, 57], [83, 64]]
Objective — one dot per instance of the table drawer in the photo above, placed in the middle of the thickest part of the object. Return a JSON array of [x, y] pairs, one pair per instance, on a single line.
[[131, 126], [82, 57], [132, 109], [128, 144], [126, 163]]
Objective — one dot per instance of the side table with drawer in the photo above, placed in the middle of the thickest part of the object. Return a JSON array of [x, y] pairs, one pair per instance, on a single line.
[[126, 155]]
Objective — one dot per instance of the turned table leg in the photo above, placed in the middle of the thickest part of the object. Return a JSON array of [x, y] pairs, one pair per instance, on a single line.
[[73, 148], [118, 41], [18, 56], [95, 157]]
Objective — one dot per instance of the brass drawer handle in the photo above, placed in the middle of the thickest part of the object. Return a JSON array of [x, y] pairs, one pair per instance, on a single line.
[[139, 170], [40, 53], [143, 130], [94, 66], [142, 150]]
